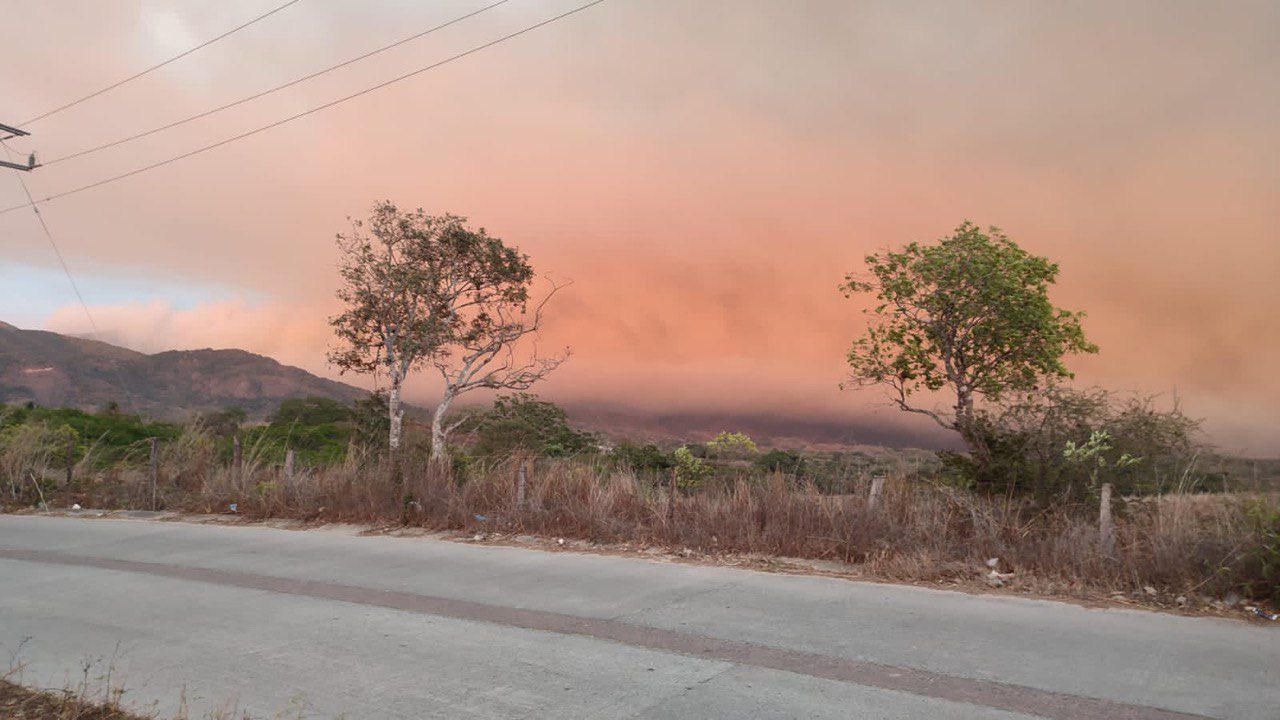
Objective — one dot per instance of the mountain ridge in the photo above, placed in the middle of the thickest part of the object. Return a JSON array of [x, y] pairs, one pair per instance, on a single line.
[[55, 370], [51, 369]]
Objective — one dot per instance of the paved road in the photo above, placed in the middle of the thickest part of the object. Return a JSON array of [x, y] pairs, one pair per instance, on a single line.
[[376, 627]]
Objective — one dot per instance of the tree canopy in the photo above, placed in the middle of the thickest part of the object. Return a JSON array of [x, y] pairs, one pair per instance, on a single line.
[[970, 313], [428, 290], [522, 422]]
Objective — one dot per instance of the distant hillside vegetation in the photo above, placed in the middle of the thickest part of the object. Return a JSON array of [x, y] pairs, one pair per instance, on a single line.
[[63, 371]]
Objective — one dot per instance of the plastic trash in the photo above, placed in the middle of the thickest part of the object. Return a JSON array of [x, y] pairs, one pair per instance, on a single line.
[[234, 507], [1266, 615], [75, 506], [995, 578], [481, 518]]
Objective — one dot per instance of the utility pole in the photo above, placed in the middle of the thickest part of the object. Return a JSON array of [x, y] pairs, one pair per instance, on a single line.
[[13, 132]]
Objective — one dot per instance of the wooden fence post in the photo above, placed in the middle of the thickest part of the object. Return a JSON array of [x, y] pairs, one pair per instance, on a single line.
[[155, 468], [288, 464], [522, 482], [877, 485], [71, 458], [237, 457], [671, 499], [1106, 526]]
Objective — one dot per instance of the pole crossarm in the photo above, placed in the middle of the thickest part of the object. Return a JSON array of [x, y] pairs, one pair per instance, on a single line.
[[12, 131], [31, 164]]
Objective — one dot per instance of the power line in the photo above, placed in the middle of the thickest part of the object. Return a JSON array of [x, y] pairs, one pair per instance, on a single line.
[[54, 244], [93, 325], [313, 110], [157, 66], [277, 88]]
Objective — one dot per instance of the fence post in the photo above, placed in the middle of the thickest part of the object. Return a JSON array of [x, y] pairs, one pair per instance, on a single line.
[[237, 457], [671, 499], [522, 481], [1106, 526], [877, 485], [71, 458], [155, 468], [288, 464]]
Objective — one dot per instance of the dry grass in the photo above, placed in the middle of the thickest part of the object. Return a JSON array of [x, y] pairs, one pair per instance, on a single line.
[[95, 695], [1192, 546], [90, 698], [21, 703]]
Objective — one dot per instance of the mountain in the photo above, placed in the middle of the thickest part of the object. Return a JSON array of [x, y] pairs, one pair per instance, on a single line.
[[60, 370], [773, 429]]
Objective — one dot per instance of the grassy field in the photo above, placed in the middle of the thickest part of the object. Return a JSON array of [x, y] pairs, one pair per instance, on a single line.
[[1173, 545], [1183, 550]]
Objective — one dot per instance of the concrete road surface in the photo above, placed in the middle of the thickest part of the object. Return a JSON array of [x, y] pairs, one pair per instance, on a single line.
[[336, 625]]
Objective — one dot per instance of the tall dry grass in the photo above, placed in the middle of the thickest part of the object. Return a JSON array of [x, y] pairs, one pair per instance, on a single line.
[[1179, 545]]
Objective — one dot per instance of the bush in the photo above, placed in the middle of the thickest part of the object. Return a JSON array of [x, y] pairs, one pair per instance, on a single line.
[[223, 423], [108, 436], [1264, 557], [522, 422], [691, 471], [787, 462], [319, 430], [643, 458], [311, 411], [1131, 444], [731, 445]]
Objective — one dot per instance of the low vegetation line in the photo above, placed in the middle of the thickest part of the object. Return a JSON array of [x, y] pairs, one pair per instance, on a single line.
[[1181, 550]]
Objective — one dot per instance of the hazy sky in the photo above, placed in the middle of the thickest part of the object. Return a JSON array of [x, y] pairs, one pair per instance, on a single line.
[[704, 171]]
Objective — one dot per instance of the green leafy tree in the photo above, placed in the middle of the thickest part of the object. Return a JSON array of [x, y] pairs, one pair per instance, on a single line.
[[970, 314], [732, 445], [522, 422]]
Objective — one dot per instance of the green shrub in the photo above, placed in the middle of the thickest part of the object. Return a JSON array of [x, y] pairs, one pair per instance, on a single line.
[[108, 436], [1263, 559], [522, 422], [731, 445], [787, 462], [691, 471], [642, 458], [311, 411], [1036, 444]]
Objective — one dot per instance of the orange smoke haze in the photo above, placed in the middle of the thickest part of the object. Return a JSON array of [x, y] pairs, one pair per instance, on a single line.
[[705, 173]]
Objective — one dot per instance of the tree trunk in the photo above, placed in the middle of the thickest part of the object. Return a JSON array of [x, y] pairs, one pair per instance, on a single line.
[[439, 450], [395, 413], [966, 425]]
